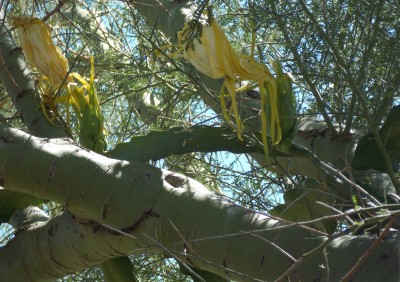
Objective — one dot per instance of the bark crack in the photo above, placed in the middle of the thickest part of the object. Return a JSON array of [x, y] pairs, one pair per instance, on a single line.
[[145, 215], [52, 171]]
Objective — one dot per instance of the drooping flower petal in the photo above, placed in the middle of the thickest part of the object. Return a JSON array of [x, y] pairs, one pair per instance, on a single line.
[[211, 53], [35, 39], [88, 111]]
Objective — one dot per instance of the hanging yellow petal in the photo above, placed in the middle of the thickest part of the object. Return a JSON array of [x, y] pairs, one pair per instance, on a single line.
[[35, 39], [211, 53]]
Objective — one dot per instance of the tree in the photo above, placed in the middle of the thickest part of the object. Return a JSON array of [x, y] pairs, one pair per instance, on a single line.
[[161, 190]]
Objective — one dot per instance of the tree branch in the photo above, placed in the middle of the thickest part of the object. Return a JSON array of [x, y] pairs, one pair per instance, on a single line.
[[360, 95], [152, 205]]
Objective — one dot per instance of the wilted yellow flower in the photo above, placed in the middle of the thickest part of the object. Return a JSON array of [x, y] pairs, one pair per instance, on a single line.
[[86, 106], [43, 55], [35, 39], [213, 55], [208, 49]]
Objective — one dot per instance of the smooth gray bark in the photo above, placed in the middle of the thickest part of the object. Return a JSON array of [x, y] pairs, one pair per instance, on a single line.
[[165, 212]]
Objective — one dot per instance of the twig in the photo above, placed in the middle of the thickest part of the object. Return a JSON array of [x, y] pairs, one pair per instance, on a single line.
[[318, 98], [299, 224], [227, 270], [175, 257], [369, 251], [56, 9], [353, 84], [366, 59], [336, 210], [185, 242], [286, 254], [306, 256], [304, 152], [394, 196], [326, 260], [7, 72]]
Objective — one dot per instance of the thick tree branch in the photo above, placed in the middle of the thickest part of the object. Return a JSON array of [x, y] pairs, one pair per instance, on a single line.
[[35, 254], [160, 211], [179, 140]]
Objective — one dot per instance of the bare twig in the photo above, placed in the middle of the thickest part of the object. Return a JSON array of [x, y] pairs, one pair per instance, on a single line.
[[286, 254], [7, 72], [305, 152], [318, 98], [335, 210], [369, 251], [174, 256], [366, 59], [302, 224], [353, 84], [306, 256], [326, 260], [56, 9]]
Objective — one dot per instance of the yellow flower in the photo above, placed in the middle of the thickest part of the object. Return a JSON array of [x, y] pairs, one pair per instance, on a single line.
[[213, 55], [35, 39], [208, 49], [87, 108]]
